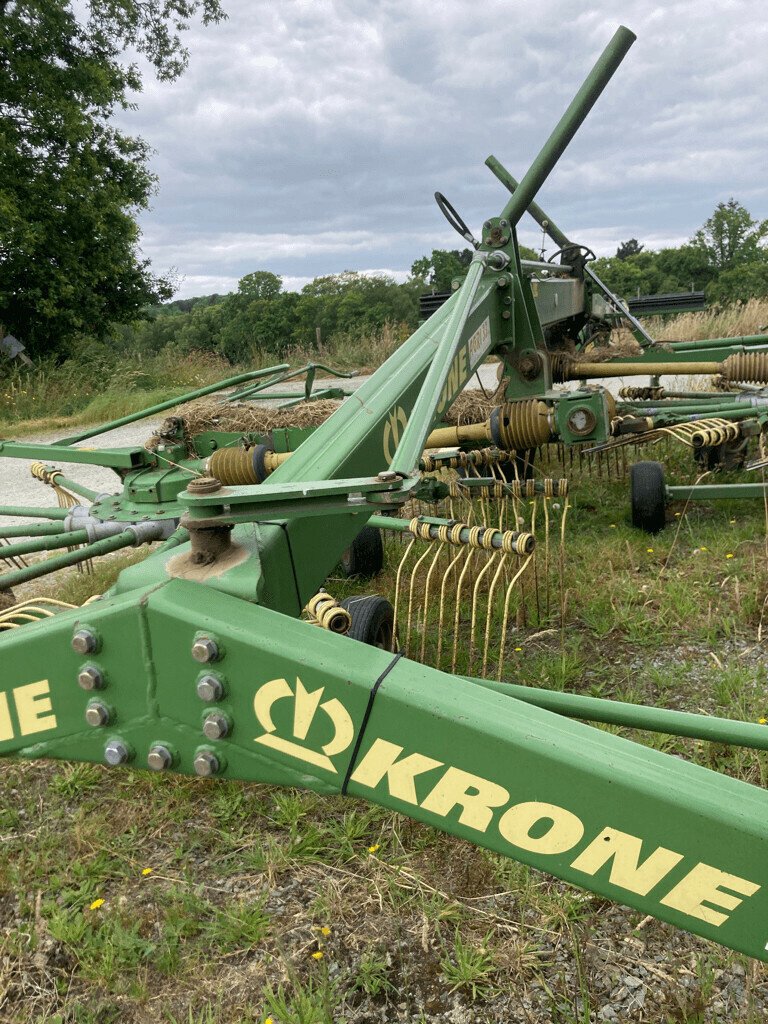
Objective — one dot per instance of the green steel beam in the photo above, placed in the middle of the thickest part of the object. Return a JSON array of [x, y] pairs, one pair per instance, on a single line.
[[566, 128], [112, 458], [715, 492], [296, 708]]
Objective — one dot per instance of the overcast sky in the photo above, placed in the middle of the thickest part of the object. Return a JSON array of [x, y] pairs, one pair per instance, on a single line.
[[308, 136]]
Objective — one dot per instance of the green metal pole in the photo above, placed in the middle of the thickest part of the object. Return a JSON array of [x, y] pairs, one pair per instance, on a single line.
[[100, 547], [413, 438], [33, 530], [545, 222], [33, 512], [402, 526], [568, 124], [76, 488], [170, 404], [692, 346], [60, 540], [636, 716], [712, 492]]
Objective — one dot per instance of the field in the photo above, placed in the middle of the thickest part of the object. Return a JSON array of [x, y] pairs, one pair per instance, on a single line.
[[133, 898]]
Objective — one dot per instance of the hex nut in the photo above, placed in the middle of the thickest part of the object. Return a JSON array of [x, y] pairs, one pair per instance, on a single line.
[[116, 752], [90, 678], [84, 641], [216, 726], [204, 650], [97, 714], [206, 764], [159, 758], [210, 688]]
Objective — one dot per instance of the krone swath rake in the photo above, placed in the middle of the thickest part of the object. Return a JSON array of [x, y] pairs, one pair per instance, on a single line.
[[198, 660]]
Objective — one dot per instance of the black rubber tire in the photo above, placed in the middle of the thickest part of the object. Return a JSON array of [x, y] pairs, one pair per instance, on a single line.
[[373, 620], [648, 496], [365, 555]]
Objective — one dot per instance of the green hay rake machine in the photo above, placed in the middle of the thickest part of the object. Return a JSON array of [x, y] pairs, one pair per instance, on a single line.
[[199, 661]]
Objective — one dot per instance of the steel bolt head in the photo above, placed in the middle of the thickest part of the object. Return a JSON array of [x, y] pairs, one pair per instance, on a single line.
[[84, 641], [204, 649], [209, 688], [159, 758], [215, 726], [90, 678], [97, 714], [206, 764], [116, 752], [387, 476]]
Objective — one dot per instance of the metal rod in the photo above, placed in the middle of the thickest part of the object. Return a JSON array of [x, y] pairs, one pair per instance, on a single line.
[[712, 492], [59, 540], [566, 128], [75, 487], [100, 547], [692, 346], [551, 268], [35, 529], [33, 512], [402, 526], [636, 716], [542, 219], [102, 428]]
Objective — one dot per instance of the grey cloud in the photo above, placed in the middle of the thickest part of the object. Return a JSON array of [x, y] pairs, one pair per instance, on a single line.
[[308, 138]]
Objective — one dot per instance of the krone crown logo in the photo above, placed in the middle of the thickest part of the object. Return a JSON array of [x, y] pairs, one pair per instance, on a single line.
[[306, 704]]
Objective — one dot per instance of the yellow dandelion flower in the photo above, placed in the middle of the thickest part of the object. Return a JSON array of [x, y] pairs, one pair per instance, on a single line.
[[318, 955], [762, 721], [518, 648], [374, 848], [649, 551], [325, 930], [729, 555], [702, 548], [613, 526], [268, 1020], [96, 904], [147, 871]]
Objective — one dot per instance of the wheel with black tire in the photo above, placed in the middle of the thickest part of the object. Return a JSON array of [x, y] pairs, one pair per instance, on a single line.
[[373, 621], [365, 555], [648, 496]]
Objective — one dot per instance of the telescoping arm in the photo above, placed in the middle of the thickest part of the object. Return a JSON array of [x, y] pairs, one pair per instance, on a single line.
[[184, 679]]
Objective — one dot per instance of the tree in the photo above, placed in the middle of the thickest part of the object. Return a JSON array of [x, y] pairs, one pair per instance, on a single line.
[[438, 270], [71, 183], [261, 284], [629, 248], [731, 236]]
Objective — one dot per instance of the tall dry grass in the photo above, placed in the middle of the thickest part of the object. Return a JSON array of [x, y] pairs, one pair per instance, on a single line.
[[730, 322]]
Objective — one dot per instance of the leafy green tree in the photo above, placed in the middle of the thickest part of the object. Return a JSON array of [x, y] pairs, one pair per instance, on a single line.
[[438, 270], [72, 183], [629, 248], [261, 284], [731, 236]]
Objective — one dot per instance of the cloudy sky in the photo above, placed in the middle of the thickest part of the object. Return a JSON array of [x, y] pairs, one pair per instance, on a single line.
[[308, 136]]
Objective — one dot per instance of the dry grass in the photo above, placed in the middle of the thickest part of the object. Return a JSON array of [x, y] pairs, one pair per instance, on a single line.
[[731, 322]]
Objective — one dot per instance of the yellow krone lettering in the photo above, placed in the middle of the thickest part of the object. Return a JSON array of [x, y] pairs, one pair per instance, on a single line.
[[550, 830], [34, 711]]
